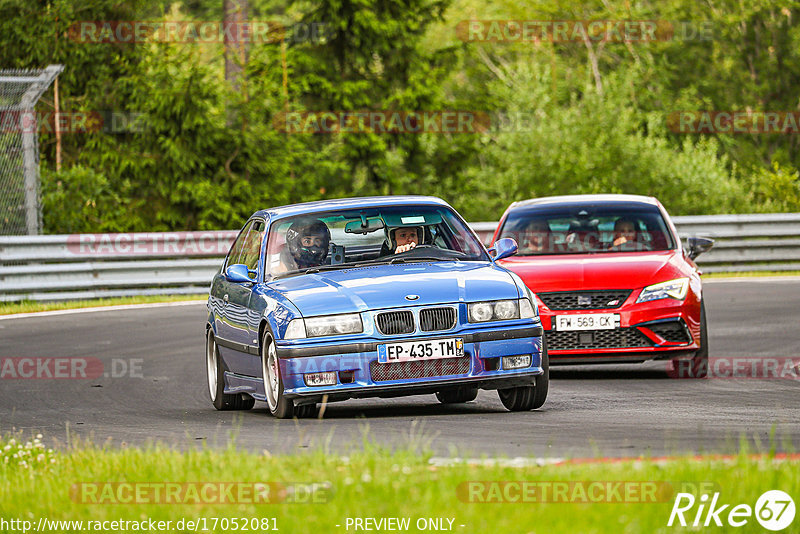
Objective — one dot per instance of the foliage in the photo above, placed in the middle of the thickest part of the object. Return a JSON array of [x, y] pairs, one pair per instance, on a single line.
[[595, 144], [587, 118], [79, 200], [774, 190]]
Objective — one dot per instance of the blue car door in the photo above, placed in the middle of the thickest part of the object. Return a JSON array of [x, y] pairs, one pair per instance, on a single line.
[[241, 325], [240, 310], [221, 292]]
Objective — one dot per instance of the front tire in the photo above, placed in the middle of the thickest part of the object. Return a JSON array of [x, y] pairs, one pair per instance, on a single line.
[[700, 359], [215, 372], [542, 381], [697, 367], [279, 406], [525, 398]]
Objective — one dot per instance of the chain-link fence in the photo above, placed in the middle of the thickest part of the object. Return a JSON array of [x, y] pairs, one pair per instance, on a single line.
[[20, 209]]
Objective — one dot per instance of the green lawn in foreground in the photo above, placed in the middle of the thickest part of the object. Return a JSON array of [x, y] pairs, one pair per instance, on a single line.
[[32, 306], [371, 482]]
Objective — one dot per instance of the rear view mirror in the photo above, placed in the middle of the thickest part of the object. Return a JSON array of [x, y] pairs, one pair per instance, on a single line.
[[697, 245], [365, 226]]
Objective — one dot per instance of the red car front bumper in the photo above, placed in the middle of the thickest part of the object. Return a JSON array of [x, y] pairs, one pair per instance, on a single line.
[[659, 329]]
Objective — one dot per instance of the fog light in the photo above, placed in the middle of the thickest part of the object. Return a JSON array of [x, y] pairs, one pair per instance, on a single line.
[[320, 379], [516, 362]]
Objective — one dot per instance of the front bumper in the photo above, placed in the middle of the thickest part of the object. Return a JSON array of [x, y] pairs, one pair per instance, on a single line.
[[640, 335], [358, 373]]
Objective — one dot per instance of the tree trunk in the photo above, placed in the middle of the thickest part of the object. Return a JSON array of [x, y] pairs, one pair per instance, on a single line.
[[236, 35]]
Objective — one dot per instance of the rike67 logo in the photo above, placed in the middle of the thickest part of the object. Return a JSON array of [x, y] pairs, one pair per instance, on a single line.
[[774, 510]]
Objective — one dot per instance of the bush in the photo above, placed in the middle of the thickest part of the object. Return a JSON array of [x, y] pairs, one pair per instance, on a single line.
[[595, 143], [774, 190], [79, 200]]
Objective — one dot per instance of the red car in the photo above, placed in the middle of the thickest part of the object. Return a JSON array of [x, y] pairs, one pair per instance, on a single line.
[[611, 279]]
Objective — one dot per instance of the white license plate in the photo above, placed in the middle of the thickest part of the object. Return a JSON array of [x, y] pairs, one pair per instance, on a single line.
[[587, 321], [432, 349]]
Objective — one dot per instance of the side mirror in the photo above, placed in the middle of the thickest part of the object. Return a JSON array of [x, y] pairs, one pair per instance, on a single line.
[[238, 273], [697, 245], [503, 248]]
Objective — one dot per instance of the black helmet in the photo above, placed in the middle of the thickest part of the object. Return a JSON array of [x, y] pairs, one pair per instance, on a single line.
[[313, 255]]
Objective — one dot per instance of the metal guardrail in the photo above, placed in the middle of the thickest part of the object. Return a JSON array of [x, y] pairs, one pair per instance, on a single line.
[[80, 266]]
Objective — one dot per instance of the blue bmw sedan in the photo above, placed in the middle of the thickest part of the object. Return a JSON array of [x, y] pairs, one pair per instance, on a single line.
[[369, 297]]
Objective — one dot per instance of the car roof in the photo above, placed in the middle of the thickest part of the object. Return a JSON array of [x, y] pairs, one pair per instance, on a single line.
[[280, 212], [582, 200]]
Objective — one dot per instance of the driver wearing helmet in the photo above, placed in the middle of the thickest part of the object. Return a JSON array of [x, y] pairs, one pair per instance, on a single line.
[[307, 243], [402, 239]]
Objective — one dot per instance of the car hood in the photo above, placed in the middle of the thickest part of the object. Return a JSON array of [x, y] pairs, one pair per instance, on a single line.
[[619, 270], [386, 286]]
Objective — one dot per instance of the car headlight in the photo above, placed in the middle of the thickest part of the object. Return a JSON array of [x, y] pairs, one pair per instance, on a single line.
[[325, 325], [295, 330], [496, 310], [673, 289], [526, 309]]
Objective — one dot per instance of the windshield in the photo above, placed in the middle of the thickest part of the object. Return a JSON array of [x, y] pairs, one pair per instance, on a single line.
[[587, 229], [346, 238]]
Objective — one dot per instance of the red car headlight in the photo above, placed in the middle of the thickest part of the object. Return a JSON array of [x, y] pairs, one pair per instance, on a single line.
[[672, 289]]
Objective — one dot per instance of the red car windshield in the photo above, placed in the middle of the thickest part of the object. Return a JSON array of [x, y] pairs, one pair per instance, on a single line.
[[587, 229]]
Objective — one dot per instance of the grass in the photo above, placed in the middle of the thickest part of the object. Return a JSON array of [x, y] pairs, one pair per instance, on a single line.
[[749, 274], [368, 482], [7, 308]]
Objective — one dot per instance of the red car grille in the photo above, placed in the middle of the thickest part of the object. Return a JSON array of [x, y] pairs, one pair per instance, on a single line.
[[382, 372], [618, 338], [585, 300]]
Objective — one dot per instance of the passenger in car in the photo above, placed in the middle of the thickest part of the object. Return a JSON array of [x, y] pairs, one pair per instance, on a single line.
[[536, 238]]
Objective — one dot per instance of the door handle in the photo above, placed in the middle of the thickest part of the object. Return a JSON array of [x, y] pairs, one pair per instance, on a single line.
[[225, 298]]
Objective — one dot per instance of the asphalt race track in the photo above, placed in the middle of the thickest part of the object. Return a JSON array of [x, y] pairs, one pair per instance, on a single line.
[[610, 411]]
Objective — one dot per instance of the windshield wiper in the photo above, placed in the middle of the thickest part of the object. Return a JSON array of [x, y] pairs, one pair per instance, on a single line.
[[395, 261], [312, 270], [390, 261], [415, 259]]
